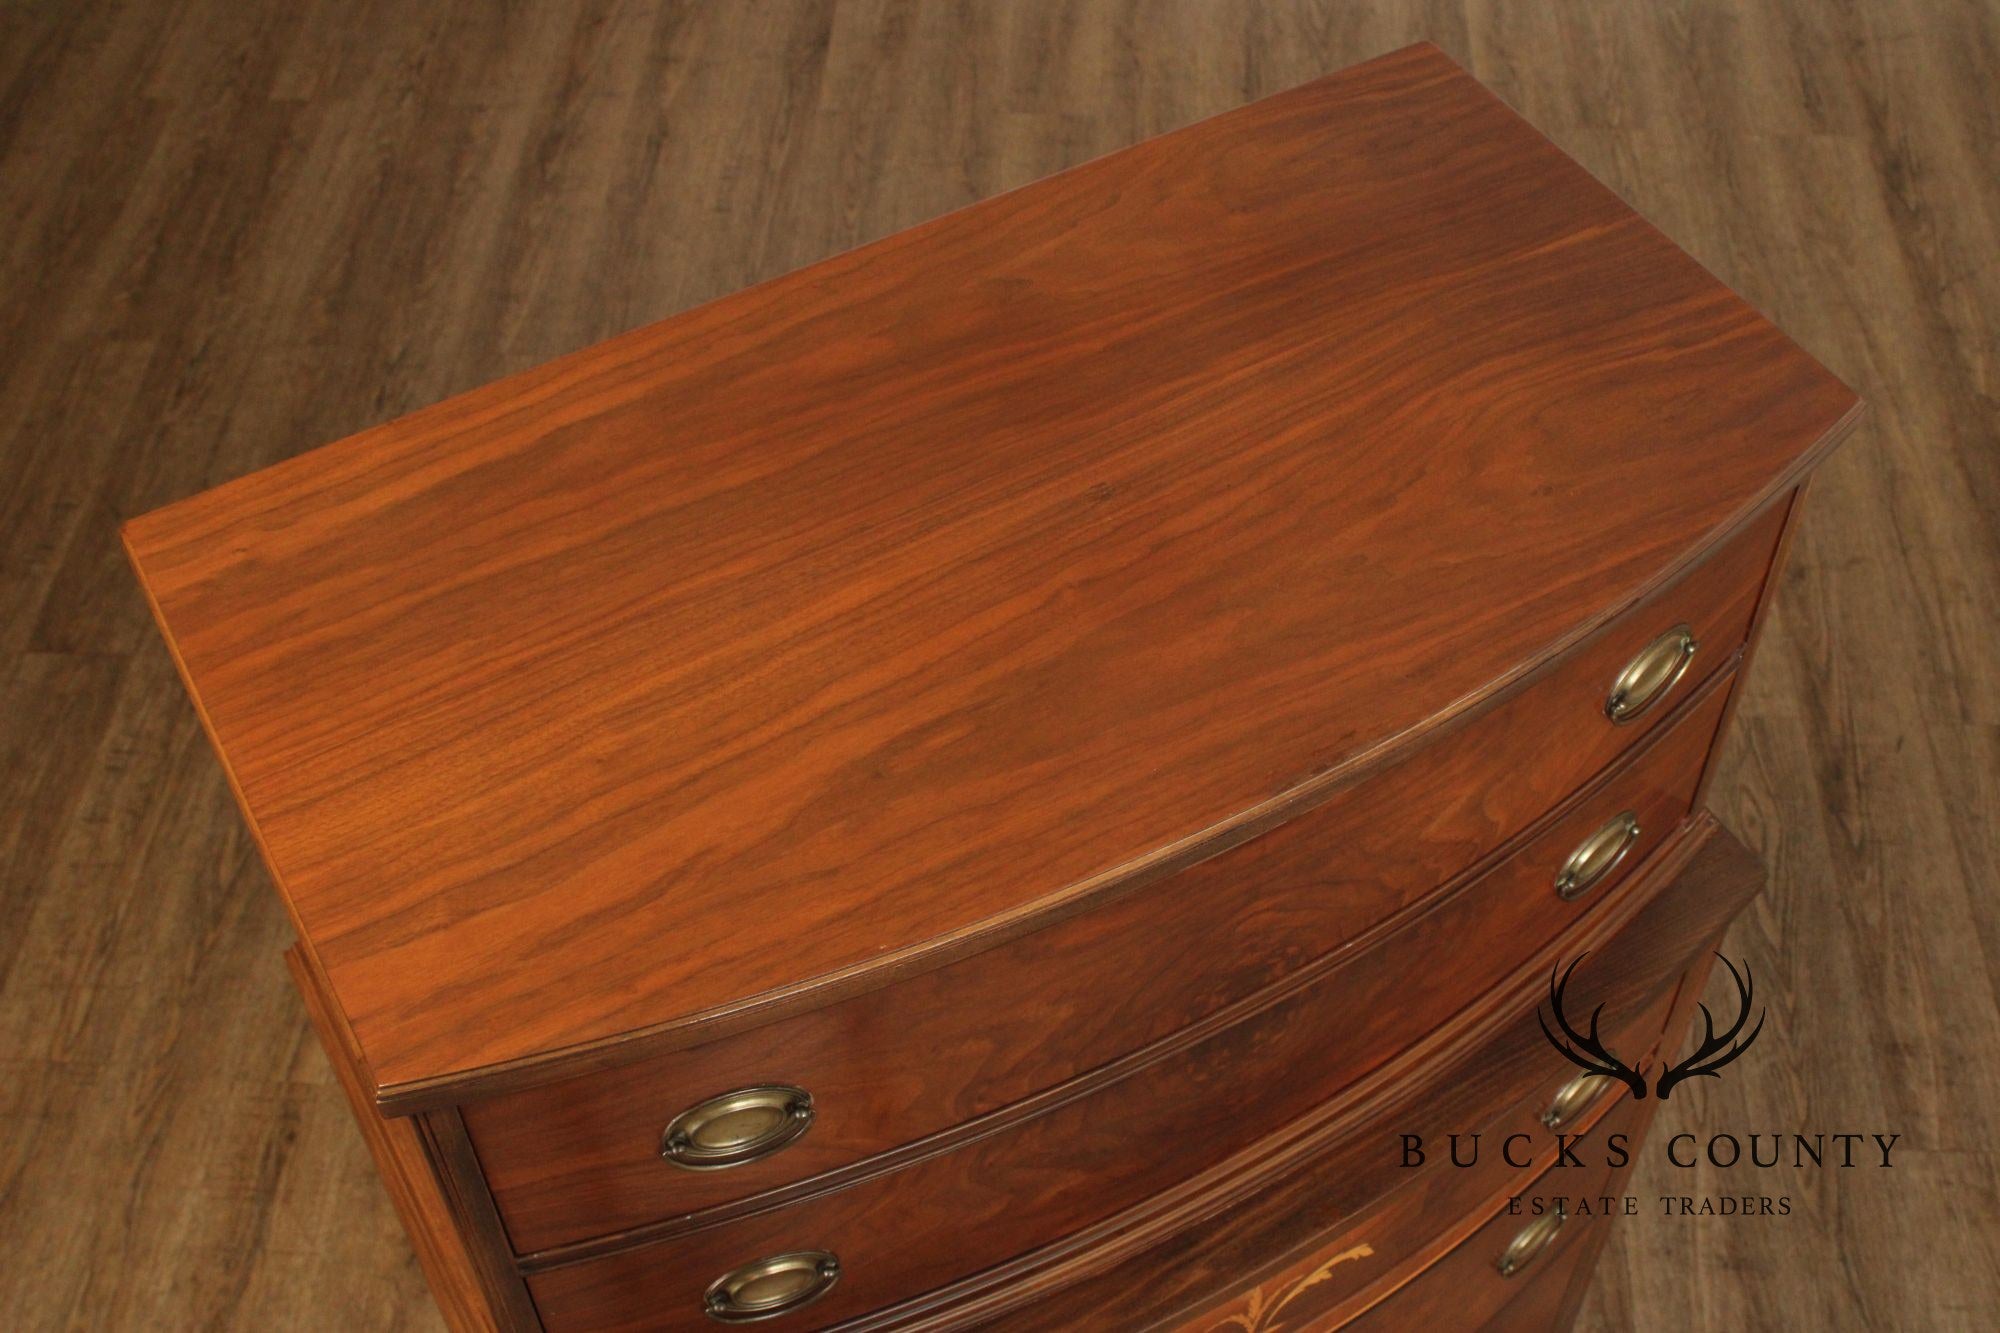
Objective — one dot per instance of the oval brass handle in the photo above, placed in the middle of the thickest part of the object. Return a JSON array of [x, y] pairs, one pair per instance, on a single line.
[[1597, 856], [737, 1127], [1573, 1098], [1528, 1243], [767, 1288], [1650, 675]]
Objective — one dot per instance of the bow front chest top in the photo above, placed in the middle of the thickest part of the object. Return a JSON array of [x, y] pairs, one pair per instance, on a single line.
[[999, 778]]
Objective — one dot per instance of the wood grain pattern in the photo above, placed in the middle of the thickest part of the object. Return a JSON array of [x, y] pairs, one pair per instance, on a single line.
[[1465, 1290], [1297, 1042], [1546, 1310], [474, 1295], [1402, 1232], [235, 230], [1154, 1269], [1398, 832], [580, 1157], [1185, 1270], [914, 594], [940, 1219]]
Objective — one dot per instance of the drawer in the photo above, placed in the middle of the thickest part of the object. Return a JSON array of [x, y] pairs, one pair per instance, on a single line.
[[1212, 1094], [1370, 1249], [1515, 1260], [582, 1157], [1190, 1265]]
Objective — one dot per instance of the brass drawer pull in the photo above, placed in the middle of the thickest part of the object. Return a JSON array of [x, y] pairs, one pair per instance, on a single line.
[[1597, 856], [1650, 674], [1574, 1098], [1528, 1243], [767, 1288], [737, 1127]]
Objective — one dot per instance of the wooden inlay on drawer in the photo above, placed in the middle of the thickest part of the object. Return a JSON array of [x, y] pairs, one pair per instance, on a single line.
[[1200, 1256], [581, 1157], [1372, 1246], [1468, 1287]]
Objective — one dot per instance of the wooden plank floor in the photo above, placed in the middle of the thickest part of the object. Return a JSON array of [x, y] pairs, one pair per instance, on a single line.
[[231, 230]]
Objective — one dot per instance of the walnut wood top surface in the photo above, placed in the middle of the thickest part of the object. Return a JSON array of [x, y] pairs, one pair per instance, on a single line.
[[922, 590]]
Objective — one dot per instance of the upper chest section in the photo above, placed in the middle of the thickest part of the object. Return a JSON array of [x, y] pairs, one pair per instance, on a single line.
[[905, 593]]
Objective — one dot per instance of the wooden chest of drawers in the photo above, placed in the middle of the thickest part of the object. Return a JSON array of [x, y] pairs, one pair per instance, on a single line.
[[989, 781]]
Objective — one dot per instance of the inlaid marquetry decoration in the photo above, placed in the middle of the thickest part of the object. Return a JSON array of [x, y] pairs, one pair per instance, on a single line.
[[1264, 1304]]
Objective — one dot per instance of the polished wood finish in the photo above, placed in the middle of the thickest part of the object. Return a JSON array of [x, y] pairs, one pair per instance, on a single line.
[[1216, 1105], [1298, 1042], [1561, 1311], [1451, 1290], [188, 299], [1206, 1257], [475, 1294], [1548, 1298], [456, 1168], [779, 622], [636, 659], [581, 1157], [1465, 1290], [1401, 1231]]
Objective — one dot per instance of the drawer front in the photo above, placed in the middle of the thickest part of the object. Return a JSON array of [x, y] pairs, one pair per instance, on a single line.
[[581, 1158], [1399, 1233], [1187, 1267], [1516, 1261], [933, 1220]]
